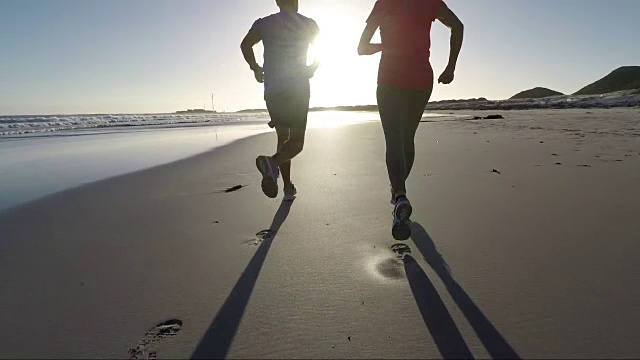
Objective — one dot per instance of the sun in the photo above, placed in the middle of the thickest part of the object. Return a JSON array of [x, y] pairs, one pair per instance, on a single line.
[[344, 78]]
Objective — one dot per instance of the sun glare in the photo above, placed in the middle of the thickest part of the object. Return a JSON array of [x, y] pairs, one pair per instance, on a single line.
[[344, 78]]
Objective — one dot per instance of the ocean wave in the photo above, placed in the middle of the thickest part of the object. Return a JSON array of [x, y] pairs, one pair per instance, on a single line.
[[25, 125]]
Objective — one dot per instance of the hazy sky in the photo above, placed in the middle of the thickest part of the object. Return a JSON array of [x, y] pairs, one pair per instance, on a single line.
[[116, 56]]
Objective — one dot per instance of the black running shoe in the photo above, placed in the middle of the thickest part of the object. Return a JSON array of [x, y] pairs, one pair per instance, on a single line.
[[401, 229], [270, 173]]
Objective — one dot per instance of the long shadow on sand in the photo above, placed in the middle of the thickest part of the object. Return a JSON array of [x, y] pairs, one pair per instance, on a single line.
[[435, 314], [490, 337], [216, 342]]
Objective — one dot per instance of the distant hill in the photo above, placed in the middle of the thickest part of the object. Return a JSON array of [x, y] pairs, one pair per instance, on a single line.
[[195, 111], [624, 78], [536, 93]]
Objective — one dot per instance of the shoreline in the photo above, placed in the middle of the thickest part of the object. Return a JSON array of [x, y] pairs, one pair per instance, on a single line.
[[31, 167], [491, 105], [218, 136], [16, 207]]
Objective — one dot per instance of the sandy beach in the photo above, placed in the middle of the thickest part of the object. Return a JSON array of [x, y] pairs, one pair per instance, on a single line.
[[525, 244]]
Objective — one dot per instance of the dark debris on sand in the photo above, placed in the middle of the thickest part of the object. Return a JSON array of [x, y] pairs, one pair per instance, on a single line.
[[489, 117], [234, 188]]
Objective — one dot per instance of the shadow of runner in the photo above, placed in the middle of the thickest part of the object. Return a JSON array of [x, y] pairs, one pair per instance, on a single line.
[[216, 341], [435, 314], [490, 337]]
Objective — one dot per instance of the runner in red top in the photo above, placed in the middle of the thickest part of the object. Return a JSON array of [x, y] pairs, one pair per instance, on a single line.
[[405, 83]]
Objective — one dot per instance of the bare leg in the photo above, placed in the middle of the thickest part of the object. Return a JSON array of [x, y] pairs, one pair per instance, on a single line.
[[285, 167], [290, 148], [286, 109]]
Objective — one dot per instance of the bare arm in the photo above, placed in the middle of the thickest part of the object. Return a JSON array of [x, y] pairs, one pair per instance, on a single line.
[[365, 47], [450, 20], [316, 61], [253, 37]]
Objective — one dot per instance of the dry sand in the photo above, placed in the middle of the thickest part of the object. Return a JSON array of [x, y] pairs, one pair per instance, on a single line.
[[536, 260]]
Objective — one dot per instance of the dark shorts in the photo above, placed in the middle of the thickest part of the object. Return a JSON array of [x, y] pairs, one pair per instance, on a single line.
[[289, 108]]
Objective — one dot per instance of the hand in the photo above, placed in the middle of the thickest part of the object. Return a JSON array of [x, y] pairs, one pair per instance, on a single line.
[[447, 75], [311, 69], [258, 72]]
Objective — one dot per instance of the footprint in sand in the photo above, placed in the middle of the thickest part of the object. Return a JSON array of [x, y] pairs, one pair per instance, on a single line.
[[144, 348], [393, 268], [390, 268], [401, 250], [260, 237]]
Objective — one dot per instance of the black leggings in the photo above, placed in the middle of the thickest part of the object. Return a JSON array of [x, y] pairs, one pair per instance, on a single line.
[[400, 111]]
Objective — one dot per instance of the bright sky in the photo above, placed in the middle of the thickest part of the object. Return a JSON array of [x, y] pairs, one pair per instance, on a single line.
[[121, 56]]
